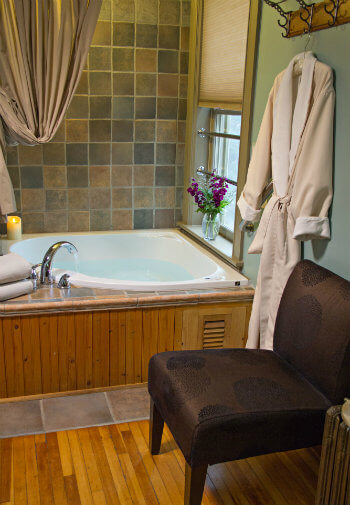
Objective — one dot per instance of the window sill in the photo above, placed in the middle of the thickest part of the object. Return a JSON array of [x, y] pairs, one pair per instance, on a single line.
[[221, 246]]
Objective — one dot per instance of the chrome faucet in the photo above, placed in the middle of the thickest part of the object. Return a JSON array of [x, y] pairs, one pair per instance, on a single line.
[[46, 276]]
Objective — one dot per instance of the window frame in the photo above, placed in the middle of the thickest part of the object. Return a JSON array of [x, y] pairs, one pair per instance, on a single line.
[[189, 215]]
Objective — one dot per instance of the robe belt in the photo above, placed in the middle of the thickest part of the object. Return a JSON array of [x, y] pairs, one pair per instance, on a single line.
[[280, 203]]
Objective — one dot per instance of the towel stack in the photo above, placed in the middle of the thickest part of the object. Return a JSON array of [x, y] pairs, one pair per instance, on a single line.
[[14, 273]]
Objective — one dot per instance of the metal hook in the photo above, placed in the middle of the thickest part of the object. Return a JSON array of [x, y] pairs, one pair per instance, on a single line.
[[333, 12], [286, 16], [309, 8]]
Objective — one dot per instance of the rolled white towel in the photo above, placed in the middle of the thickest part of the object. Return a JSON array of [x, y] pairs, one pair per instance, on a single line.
[[15, 289], [13, 268]]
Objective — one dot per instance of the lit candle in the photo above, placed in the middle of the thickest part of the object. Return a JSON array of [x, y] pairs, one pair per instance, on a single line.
[[14, 228]]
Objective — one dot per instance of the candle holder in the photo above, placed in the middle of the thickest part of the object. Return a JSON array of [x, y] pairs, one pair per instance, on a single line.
[[14, 228]]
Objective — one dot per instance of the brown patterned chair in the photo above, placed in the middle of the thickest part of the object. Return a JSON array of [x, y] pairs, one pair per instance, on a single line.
[[228, 404]]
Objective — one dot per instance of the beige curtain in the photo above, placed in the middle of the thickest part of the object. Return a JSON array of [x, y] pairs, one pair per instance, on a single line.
[[43, 50]]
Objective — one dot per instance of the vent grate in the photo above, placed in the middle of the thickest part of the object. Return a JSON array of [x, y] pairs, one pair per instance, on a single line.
[[213, 334]]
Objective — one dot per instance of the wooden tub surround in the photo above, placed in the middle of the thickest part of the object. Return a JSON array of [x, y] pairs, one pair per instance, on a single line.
[[55, 341]]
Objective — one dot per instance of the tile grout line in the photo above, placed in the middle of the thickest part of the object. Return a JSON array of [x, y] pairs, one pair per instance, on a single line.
[[109, 406]]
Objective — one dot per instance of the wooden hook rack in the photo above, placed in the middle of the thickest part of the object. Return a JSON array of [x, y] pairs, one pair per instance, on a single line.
[[322, 15]]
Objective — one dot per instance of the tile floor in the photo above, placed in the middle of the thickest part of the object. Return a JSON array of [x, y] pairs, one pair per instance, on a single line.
[[76, 411]]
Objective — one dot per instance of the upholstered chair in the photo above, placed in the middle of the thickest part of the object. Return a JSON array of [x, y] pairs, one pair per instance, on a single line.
[[228, 404]]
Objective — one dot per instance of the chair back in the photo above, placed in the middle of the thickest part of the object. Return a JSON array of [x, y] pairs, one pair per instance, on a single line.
[[312, 330]]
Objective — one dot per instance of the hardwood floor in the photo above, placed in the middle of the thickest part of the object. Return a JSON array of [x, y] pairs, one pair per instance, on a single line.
[[111, 465]]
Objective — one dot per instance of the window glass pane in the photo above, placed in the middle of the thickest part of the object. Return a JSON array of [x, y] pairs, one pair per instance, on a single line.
[[225, 156]]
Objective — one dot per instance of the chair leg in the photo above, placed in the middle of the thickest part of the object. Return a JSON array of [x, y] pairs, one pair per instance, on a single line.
[[194, 484], [156, 425]]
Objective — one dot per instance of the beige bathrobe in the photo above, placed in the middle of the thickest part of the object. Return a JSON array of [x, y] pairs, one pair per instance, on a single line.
[[295, 148]]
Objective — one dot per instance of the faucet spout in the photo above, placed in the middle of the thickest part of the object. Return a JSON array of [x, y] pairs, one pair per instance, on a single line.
[[46, 276]]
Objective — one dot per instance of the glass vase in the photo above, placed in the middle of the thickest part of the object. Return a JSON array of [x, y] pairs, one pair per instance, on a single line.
[[210, 226]]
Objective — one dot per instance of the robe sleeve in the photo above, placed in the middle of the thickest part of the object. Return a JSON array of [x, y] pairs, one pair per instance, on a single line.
[[259, 170], [312, 192]]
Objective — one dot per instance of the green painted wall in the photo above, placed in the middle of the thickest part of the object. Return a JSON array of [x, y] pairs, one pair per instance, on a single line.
[[332, 47]]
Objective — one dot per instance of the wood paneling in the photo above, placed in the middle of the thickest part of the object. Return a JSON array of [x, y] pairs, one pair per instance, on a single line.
[[84, 350], [113, 465]]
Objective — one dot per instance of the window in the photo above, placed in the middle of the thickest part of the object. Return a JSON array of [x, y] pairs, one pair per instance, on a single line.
[[224, 158]]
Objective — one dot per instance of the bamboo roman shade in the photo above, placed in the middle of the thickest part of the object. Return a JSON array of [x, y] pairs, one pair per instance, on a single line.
[[223, 53]]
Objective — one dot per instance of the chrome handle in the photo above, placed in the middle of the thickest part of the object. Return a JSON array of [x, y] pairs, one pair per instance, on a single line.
[[64, 282]]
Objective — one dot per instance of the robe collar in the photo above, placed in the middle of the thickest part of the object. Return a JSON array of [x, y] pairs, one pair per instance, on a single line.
[[288, 125]]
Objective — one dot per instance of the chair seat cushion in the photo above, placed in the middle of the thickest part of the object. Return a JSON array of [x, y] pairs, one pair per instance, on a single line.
[[226, 404]]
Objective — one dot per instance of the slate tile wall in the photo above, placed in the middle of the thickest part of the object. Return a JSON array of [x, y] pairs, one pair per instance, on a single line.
[[116, 161]]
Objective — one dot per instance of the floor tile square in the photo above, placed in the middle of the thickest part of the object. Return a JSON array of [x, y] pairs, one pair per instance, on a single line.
[[22, 418], [129, 404], [76, 411]]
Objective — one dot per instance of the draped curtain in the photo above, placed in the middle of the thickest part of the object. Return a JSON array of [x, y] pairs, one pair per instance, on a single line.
[[43, 50]]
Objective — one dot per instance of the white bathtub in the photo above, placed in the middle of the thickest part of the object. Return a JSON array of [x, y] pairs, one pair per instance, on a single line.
[[143, 261]]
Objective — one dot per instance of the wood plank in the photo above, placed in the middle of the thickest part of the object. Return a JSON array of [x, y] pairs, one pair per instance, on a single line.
[[150, 322], [178, 330], [117, 347], [65, 454], [100, 348], [56, 471], [45, 485], [80, 469], [72, 491], [54, 352], [63, 351], [71, 349], [166, 330], [5, 469], [130, 325], [45, 352], [19, 472], [103, 468], [83, 335], [3, 388], [33, 491]]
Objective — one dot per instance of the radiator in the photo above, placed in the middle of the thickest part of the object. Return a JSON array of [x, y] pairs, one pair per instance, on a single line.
[[333, 487]]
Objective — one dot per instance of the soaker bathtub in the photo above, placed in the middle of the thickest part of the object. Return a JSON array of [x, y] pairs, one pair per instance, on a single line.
[[143, 261]]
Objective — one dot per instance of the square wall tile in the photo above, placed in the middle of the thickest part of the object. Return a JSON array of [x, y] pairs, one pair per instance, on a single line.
[[146, 60], [146, 84], [78, 108], [12, 155], [77, 176], [123, 108], [123, 59], [56, 199], [77, 154], [145, 131], [122, 220], [168, 61], [165, 198], [100, 83], [100, 198], [123, 10], [146, 12], [78, 221], [123, 83], [100, 176], [121, 198], [33, 199], [168, 85], [78, 199], [100, 107], [122, 153], [76, 411], [143, 219], [164, 218], [145, 108], [166, 131], [31, 177], [54, 153], [165, 176], [14, 176], [100, 130], [166, 154], [143, 198], [100, 154], [169, 37], [33, 222], [122, 176], [143, 153], [30, 155], [167, 108], [21, 418], [56, 221], [123, 34], [146, 35], [100, 58], [122, 130], [169, 12], [144, 175], [100, 220], [77, 130], [83, 86]]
